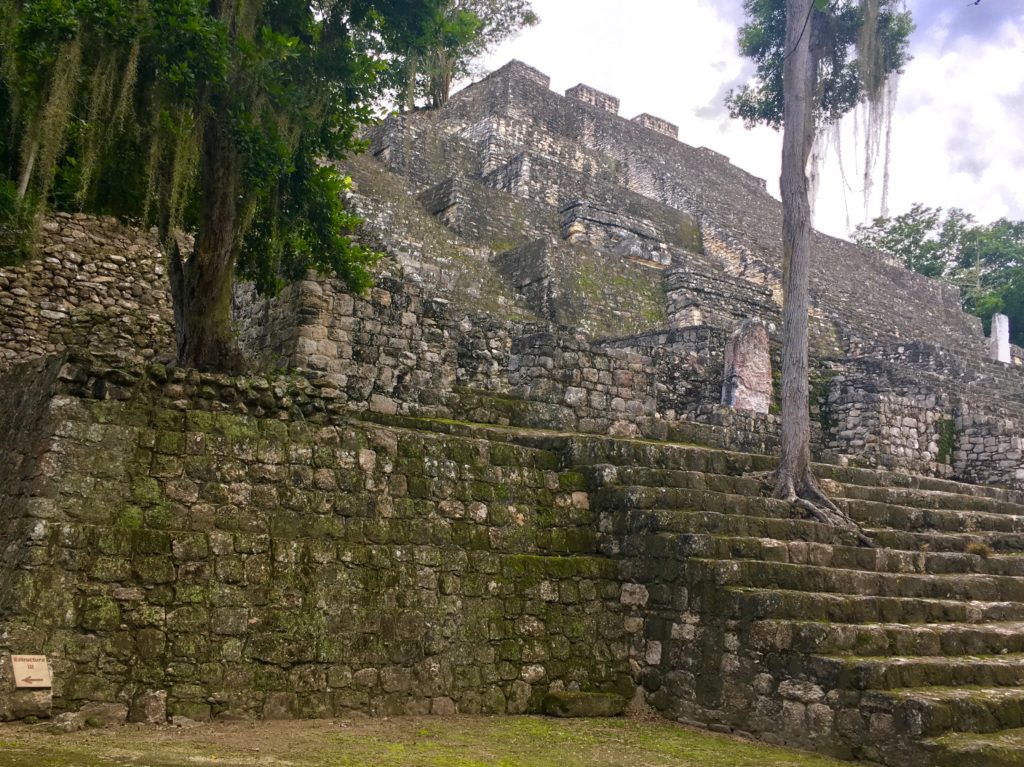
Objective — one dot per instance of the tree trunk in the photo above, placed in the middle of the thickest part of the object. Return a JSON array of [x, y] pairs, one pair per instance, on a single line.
[[26, 173], [409, 93], [201, 285], [794, 480]]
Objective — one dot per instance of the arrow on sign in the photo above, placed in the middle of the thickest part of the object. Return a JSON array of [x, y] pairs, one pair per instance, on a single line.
[[30, 680]]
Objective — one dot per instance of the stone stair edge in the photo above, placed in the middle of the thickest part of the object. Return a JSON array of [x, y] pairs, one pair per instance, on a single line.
[[554, 439]]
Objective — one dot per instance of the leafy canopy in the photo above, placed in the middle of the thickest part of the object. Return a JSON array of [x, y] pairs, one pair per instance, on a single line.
[[986, 261], [448, 46], [104, 106], [843, 79]]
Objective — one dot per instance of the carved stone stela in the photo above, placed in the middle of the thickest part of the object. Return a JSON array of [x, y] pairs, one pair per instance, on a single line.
[[747, 383]]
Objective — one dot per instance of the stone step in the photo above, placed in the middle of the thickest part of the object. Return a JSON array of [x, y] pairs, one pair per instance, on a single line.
[[981, 541], [850, 475], [657, 456], [923, 499], [1004, 748], [877, 639], [724, 494], [850, 557], [832, 580], [585, 451], [604, 475], [647, 497], [870, 484], [890, 672], [750, 603], [674, 523], [759, 521], [931, 711], [588, 450], [897, 517]]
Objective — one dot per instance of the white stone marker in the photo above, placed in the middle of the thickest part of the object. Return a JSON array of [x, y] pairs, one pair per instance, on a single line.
[[999, 338]]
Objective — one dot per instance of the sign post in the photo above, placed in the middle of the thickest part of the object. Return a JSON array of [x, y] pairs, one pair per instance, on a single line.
[[31, 671]]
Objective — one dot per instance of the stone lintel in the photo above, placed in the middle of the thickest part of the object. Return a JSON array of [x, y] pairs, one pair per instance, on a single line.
[[594, 97], [657, 124]]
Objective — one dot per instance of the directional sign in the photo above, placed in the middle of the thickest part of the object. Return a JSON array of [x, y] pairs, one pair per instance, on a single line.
[[31, 671]]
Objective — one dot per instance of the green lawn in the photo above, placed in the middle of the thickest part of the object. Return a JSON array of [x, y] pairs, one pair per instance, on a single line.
[[428, 742]]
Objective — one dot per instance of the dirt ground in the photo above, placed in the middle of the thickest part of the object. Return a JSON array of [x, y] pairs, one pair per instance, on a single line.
[[404, 742]]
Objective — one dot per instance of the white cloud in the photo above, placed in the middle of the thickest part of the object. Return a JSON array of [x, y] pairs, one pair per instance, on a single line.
[[957, 134]]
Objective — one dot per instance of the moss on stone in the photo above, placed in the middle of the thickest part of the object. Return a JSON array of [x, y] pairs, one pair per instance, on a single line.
[[946, 429]]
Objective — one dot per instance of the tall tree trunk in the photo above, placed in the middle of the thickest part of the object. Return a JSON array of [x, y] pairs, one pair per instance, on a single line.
[[26, 173], [797, 138], [409, 92], [794, 480], [201, 285]]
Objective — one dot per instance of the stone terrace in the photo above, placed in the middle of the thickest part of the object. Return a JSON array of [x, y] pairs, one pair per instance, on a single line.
[[247, 547], [480, 483]]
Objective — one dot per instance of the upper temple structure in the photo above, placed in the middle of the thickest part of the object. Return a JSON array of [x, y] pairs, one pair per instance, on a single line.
[[607, 239], [520, 473]]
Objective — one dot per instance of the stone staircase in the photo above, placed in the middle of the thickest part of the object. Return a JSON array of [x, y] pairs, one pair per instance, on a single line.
[[908, 653], [747, 617]]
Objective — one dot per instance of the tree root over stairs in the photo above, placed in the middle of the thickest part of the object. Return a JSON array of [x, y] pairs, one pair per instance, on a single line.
[[807, 495]]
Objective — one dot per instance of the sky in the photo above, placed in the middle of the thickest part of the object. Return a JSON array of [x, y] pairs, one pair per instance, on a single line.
[[958, 123]]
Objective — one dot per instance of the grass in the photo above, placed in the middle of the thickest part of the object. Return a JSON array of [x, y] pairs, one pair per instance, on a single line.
[[404, 742]]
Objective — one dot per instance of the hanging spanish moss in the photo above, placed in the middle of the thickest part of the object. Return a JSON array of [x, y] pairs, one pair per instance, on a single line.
[[891, 89], [47, 136], [171, 168], [879, 85], [184, 164], [100, 94], [869, 121], [827, 141], [126, 100]]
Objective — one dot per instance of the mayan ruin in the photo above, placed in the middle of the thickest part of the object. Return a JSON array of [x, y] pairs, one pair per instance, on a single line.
[[520, 474]]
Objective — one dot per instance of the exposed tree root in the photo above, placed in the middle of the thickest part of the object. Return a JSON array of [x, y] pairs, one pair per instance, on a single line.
[[809, 497]]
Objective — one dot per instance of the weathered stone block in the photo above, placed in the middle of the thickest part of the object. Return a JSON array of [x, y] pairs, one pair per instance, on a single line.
[[999, 339], [594, 97], [565, 703], [747, 383], [657, 124]]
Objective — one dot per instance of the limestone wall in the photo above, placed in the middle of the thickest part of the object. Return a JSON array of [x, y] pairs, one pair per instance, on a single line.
[[990, 446], [396, 351], [240, 547], [386, 350], [95, 283], [921, 423], [887, 420]]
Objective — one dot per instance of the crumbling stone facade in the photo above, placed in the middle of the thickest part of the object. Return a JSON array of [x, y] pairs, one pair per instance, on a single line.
[[244, 548], [517, 218], [94, 283], [478, 483]]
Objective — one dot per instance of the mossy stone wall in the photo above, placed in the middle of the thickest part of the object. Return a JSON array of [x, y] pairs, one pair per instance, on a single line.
[[248, 549]]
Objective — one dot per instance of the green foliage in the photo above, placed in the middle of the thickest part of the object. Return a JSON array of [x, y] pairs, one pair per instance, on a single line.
[[986, 261], [15, 226], [447, 47], [947, 440], [835, 28], [921, 238], [111, 106]]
